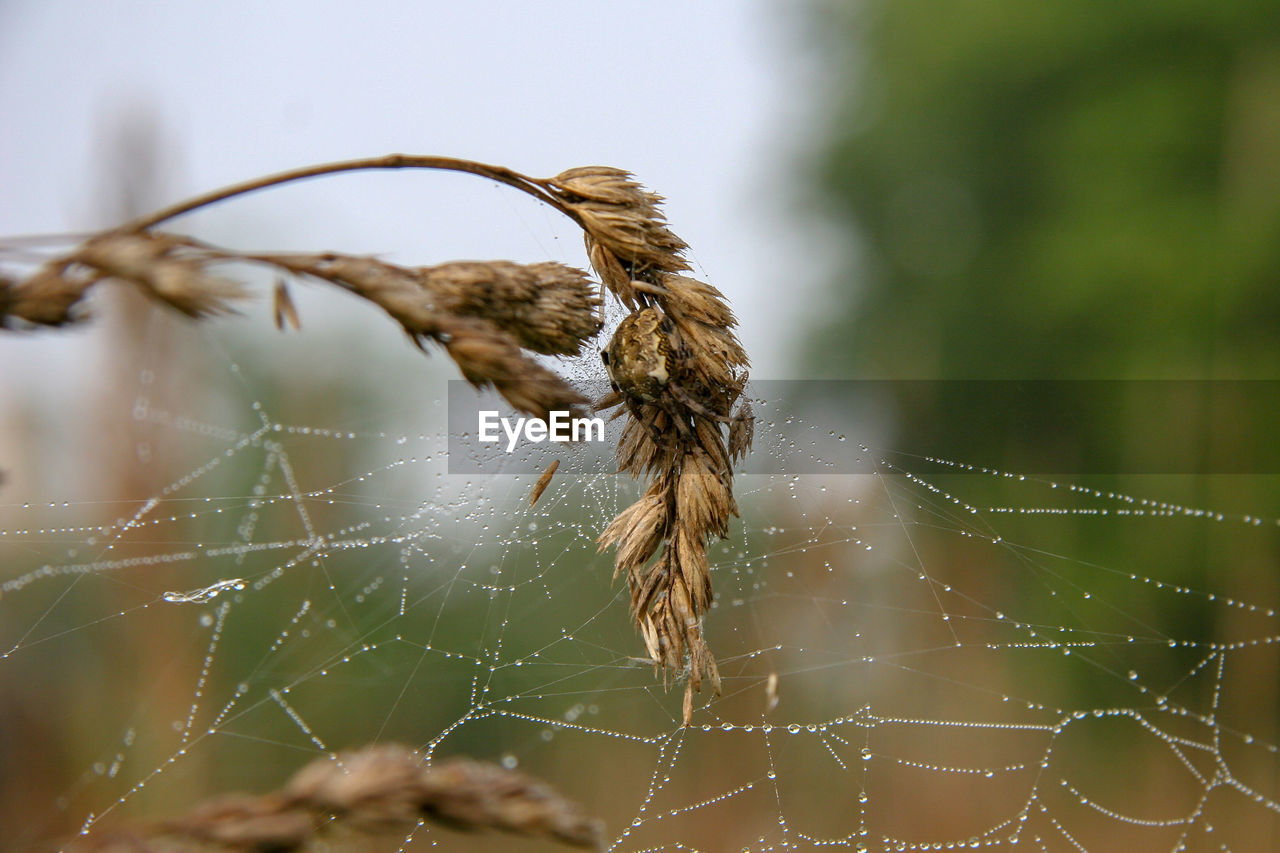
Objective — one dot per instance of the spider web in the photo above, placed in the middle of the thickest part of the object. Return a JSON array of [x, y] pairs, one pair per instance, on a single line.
[[928, 656]]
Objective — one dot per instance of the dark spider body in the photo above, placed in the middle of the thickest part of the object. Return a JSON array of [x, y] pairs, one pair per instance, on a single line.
[[648, 366], [640, 359]]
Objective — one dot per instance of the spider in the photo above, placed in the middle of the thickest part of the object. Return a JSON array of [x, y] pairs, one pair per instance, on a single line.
[[647, 363]]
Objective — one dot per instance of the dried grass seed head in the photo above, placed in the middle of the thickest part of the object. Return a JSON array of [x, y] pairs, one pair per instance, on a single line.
[[489, 357], [482, 313], [164, 268], [626, 234], [543, 481], [697, 301], [637, 532], [240, 822], [637, 452], [548, 307], [49, 297], [742, 431], [605, 184], [678, 367], [679, 379], [473, 794], [378, 789]]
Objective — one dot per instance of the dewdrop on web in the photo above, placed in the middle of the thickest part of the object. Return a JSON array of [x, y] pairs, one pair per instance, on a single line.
[[201, 596]]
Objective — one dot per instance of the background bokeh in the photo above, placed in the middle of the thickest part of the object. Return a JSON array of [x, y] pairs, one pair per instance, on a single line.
[[1066, 192]]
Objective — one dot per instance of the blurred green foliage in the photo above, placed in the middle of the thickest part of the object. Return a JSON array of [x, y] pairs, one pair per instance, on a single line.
[[1054, 189], [1065, 190]]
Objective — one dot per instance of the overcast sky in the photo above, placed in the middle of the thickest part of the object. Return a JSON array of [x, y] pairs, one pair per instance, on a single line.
[[702, 101]]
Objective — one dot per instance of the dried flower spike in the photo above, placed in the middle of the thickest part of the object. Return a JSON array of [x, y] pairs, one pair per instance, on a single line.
[[484, 313], [543, 481], [163, 267], [677, 367], [626, 235], [283, 308], [376, 790], [678, 370]]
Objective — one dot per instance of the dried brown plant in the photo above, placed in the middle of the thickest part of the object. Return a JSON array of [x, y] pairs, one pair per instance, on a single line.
[[539, 487], [677, 372], [677, 368], [373, 791], [484, 314]]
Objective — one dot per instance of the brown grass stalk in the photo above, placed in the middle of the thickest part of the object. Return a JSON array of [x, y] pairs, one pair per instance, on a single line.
[[344, 803], [678, 372], [676, 365]]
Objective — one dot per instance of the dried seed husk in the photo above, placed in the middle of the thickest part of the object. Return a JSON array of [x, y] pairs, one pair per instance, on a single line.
[[243, 822], [712, 445], [651, 586], [691, 556], [697, 301], [156, 263], [627, 236], [488, 357], [644, 534], [376, 790], [606, 184], [283, 308], [649, 634], [677, 440], [548, 307], [541, 485], [693, 497], [611, 272], [49, 297], [771, 693], [742, 431]]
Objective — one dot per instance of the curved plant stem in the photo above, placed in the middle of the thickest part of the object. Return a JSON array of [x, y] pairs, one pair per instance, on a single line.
[[500, 174]]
